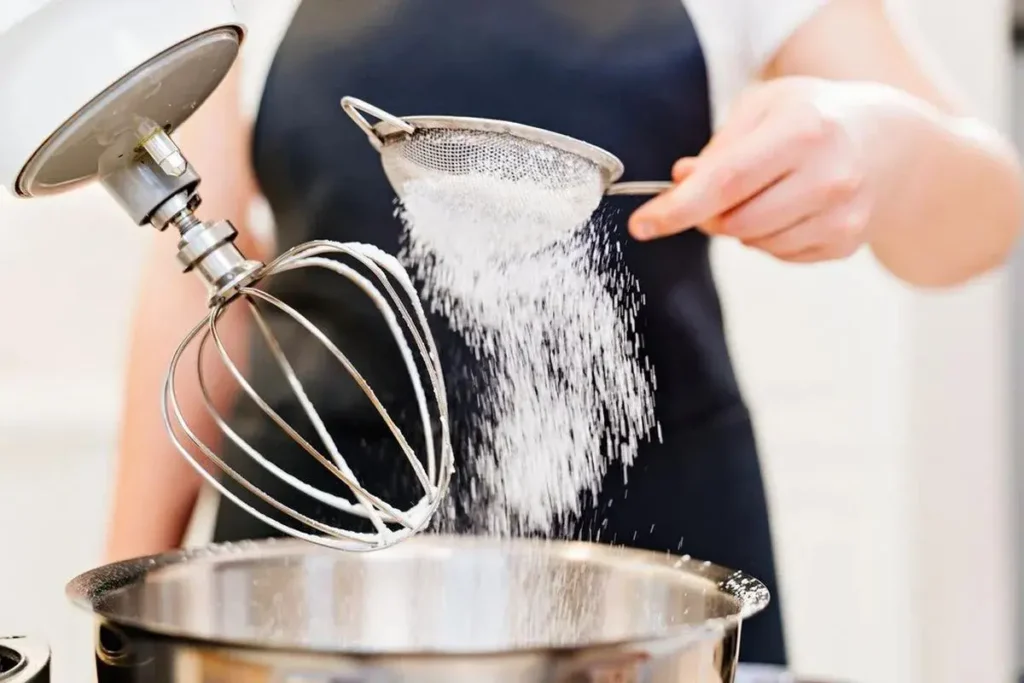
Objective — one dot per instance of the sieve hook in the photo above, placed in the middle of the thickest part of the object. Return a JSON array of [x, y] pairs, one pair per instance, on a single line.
[[355, 108]]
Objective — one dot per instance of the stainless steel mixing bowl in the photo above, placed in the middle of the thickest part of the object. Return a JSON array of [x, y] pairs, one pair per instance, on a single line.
[[429, 610], [24, 660]]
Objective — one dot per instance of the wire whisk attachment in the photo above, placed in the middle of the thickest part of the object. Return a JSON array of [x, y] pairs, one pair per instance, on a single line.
[[382, 278], [149, 176]]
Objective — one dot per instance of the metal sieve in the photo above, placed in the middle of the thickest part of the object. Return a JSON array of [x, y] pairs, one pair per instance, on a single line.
[[432, 147]]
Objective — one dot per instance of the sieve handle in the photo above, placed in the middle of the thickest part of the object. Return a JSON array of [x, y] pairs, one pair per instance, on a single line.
[[645, 187], [355, 108]]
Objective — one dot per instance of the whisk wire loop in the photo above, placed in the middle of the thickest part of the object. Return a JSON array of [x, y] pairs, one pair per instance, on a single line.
[[432, 477]]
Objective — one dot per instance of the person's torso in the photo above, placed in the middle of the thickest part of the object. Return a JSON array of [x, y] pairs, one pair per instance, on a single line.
[[627, 76]]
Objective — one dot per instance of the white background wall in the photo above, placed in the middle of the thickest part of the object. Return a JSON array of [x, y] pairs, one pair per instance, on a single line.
[[881, 412], [883, 420]]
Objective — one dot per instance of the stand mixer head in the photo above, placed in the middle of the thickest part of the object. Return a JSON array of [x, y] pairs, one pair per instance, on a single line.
[[137, 71]]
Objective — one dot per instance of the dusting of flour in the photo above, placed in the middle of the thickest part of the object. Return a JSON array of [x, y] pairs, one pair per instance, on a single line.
[[537, 289]]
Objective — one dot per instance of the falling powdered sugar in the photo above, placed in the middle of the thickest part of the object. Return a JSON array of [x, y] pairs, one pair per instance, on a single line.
[[537, 289]]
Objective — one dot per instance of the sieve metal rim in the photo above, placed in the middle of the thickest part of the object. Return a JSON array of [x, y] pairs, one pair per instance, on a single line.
[[390, 129]]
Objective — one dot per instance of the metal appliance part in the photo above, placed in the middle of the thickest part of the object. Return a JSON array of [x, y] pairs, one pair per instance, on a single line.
[[117, 63], [163, 92], [434, 608], [24, 660], [435, 147], [139, 70], [153, 182]]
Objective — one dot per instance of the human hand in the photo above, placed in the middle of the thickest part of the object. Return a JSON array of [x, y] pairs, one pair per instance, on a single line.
[[786, 174]]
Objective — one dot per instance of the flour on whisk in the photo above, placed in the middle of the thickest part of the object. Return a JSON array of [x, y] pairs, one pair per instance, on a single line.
[[538, 291]]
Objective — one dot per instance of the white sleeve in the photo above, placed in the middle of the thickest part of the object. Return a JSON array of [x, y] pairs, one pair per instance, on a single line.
[[738, 37], [771, 22]]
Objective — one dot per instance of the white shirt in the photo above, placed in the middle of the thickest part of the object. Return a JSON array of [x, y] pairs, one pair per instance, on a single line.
[[739, 37]]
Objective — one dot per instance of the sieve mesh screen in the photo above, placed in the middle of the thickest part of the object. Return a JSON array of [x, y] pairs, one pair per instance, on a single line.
[[430, 154]]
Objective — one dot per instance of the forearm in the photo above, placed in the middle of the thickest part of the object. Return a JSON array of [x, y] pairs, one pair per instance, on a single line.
[[155, 487], [949, 206], [155, 491]]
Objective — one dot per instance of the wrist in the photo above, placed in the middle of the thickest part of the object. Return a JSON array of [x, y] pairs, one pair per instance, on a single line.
[[900, 140]]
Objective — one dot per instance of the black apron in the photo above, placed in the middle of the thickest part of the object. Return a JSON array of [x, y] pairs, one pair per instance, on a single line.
[[627, 76]]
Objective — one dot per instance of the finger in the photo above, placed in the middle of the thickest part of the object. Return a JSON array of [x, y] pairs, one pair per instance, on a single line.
[[791, 200], [683, 168], [720, 182], [823, 253], [812, 255], [824, 236], [807, 234]]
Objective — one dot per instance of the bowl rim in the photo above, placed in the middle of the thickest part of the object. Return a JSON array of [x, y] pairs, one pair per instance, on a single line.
[[89, 590]]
